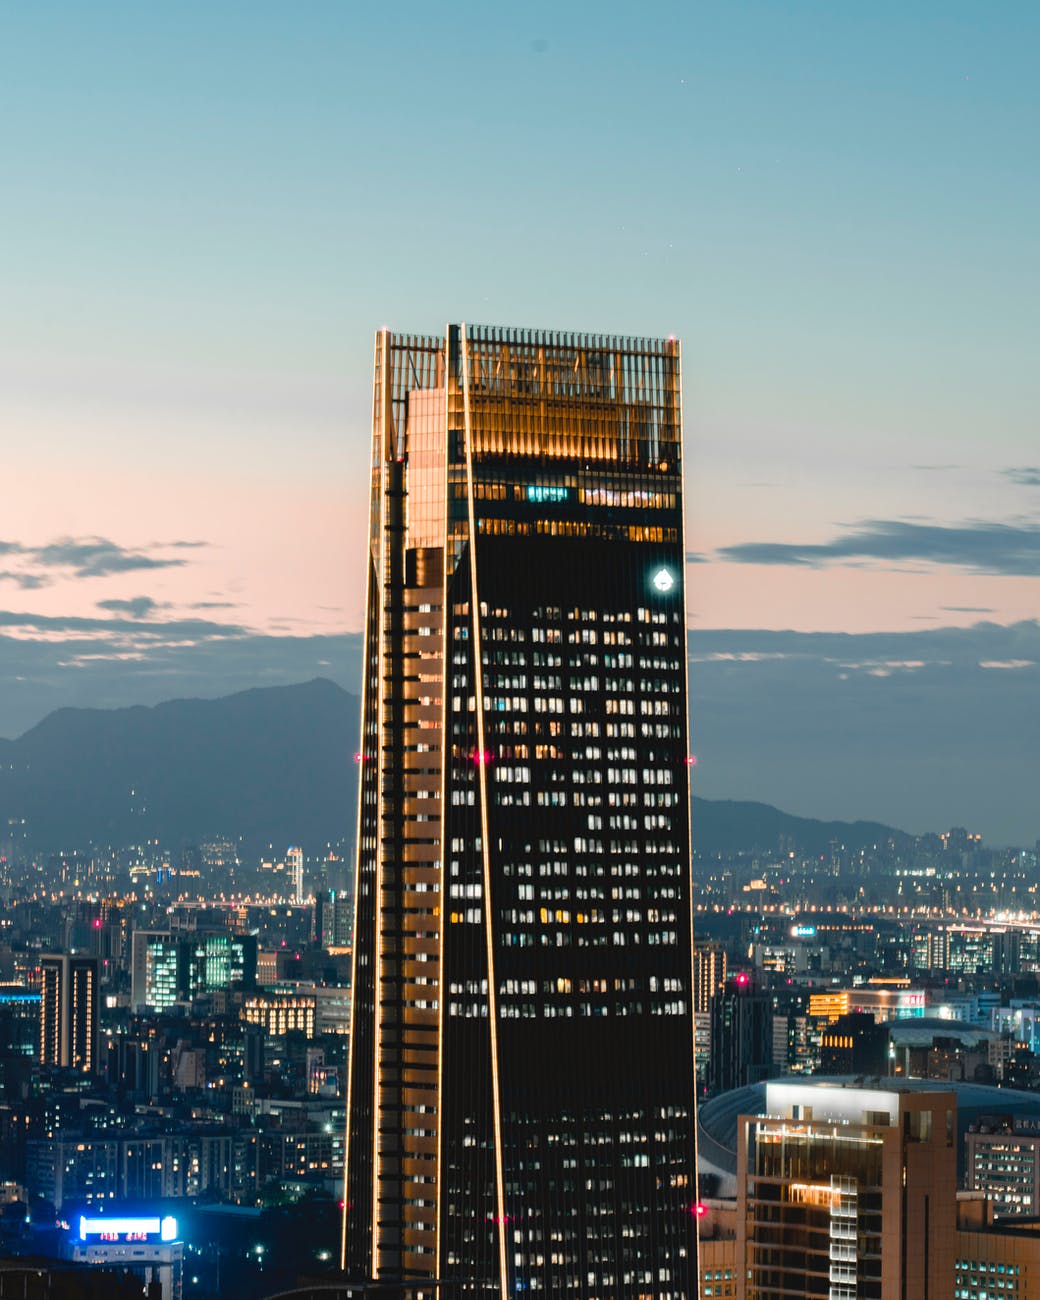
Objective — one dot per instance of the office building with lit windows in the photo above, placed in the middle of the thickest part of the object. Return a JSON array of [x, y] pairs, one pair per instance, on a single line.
[[154, 983], [1003, 1161], [521, 1072], [167, 968], [280, 1012]]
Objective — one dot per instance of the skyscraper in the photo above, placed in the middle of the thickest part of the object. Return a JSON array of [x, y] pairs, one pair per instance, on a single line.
[[521, 1074], [69, 1012]]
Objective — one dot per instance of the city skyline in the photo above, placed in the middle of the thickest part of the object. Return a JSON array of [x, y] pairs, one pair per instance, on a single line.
[[840, 230]]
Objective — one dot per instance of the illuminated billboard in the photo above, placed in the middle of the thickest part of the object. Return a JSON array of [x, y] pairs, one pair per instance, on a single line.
[[110, 1228]]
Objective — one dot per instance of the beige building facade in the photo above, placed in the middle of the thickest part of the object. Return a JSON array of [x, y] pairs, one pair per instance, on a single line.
[[847, 1193]]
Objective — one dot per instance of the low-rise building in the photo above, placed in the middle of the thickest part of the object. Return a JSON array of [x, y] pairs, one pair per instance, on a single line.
[[995, 1260]]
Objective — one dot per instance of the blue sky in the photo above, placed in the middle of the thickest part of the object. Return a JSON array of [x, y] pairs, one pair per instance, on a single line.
[[210, 207]]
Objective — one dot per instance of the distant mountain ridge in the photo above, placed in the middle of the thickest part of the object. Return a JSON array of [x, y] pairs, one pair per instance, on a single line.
[[731, 826], [273, 764]]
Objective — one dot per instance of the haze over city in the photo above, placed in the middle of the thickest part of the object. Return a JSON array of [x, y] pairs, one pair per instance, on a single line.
[[210, 209]]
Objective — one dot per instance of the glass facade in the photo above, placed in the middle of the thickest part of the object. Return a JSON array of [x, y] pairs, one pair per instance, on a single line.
[[168, 968], [161, 962], [814, 1212], [521, 1086]]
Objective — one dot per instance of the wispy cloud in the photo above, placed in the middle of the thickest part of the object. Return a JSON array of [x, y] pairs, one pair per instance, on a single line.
[[105, 628], [94, 557], [981, 546], [735, 656], [1024, 475], [86, 557], [135, 606], [886, 667], [27, 581]]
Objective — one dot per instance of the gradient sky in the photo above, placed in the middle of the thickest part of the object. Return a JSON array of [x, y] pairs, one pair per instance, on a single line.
[[209, 208]]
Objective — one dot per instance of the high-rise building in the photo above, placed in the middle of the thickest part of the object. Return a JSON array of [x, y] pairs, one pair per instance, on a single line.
[[154, 981], [333, 918], [521, 1074], [741, 1035], [69, 1012], [848, 1193], [19, 1039], [709, 976], [294, 861], [710, 970]]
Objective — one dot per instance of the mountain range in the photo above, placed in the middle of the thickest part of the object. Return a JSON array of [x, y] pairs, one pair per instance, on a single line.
[[273, 765]]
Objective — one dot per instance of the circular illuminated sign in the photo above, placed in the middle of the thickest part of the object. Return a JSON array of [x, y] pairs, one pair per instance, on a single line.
[[664, 581]]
